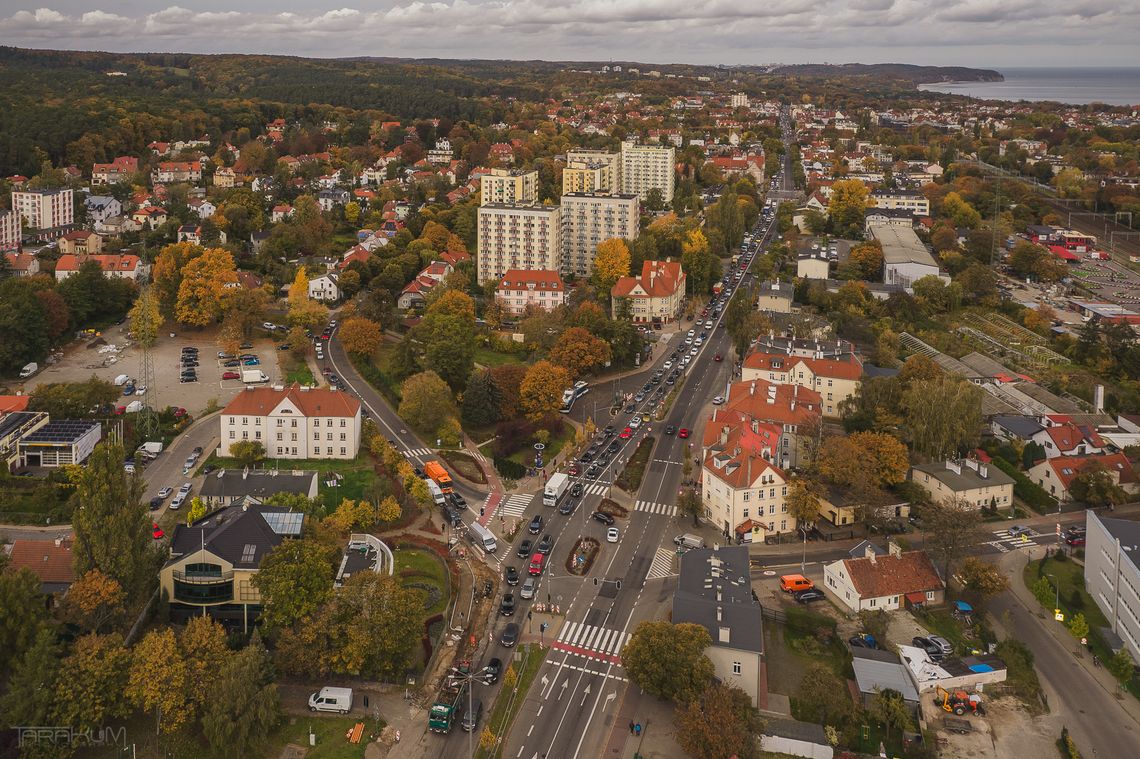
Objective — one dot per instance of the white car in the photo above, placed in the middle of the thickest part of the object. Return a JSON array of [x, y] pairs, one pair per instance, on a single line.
[[694, 351], [269, 326], [690, 333], [186, 487], [612, 535], [685, 361], [178, 501], [688, 341], [699, 342], [709, 324], [635, 422], [165, 492], [718, 400], [668, 364]]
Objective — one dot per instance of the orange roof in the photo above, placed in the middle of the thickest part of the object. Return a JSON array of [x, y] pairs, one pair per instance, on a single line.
[[1068, 467], [1068, 436], [261, 401], [739, 468], [14, 403], [659, 279], [889, 575], [821, 367], [49, 560], [532, 279], [790, 404]]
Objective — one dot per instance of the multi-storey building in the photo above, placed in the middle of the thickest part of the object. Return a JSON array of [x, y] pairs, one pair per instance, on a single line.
[[293, 422], [518, 289], [10, 231], [645, 168], [969, 482], [656, 296], [122, 169], [739, 100], [1112, 575], [518, 237], [502, 187], [177, 171], [589, 176], [835, 378], [589, 219], [611, 163], [45, 209], [909, 200]]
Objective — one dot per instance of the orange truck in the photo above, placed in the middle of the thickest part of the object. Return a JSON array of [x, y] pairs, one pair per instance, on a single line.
[[435, 471]]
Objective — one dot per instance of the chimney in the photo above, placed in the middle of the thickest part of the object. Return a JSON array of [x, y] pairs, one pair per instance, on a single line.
[[954, 466], [983, 471], [894, 549], [869, 552], [752, 388], [972, 463], [1098, 399]]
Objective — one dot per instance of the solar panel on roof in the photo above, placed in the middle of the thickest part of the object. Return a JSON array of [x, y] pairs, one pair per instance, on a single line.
[[62, 431], [284, 522]]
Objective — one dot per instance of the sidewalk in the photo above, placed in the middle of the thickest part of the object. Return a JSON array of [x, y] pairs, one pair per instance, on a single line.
[[656, 718]]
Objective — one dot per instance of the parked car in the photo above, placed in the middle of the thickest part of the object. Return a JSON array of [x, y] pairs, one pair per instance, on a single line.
[[603, 517], [717, 401], [165, 492], [932, 649], [612, 535], [808, 596], [156, 531], [492, 671], [231, 375]]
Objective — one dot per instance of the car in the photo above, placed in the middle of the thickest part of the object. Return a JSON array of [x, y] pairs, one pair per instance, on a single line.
[[251, 362], [546, 545], [529, 588], [576, 490], [932, 649], [635, 422], [603, 517], [231, 363], [524, 549], [613, 447], [492, 671], [683, 432], [269, 326], [671, 379], [1075, 540], [537, 563], [568, 506], [185, 487], [1018, 530], [626, 433], [698, 342], [808, 596], [668, 364], [862, 641], [690, 333], [511, 575], [944, 645], [586, 457], [209, 469], [631, 408], [608, 431], [574, 470], [718, 357], [593, 472], [188, 378], [165, 492], [718, 400], [156, 531], [670, 429], [510, 635], [507, 605], [231, 375], [179, 413], [612, 535], [535, 526], [645, 416], [197, 450], [223, 356], [179, 499], [129, 390], [639, 397], [457, 500], [156, 503], [688, 341], [694, 351]]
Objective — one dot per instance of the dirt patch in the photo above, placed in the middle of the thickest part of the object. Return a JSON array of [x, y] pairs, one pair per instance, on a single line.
[[465, 466], [582, 556], [613, 508], [1006, 730]]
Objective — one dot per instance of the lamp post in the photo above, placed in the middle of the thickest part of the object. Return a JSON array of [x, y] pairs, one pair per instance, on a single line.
[[1056, 596], [470, 679]]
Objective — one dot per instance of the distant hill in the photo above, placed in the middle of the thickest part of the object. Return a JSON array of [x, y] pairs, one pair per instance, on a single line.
[[899, 72]]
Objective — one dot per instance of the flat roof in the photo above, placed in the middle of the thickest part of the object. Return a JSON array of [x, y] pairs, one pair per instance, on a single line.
[[902, 246]]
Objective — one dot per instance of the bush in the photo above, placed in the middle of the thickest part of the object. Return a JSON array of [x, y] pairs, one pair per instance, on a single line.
[[1020, 675], [449, 433], [508, 468], [1025, 489], [511, 436]]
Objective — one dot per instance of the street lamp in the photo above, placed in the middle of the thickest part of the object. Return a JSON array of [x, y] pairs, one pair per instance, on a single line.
[[470, 678], [1056, 597]]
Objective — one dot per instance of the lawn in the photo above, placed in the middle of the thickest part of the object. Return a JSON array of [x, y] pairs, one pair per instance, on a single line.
[[525, 455], [357, 475], [422, 567], [506, 706], [491, 358], [300, 373], [330, 732]]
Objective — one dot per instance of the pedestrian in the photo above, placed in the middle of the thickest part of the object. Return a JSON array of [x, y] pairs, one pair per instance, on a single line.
[[637, 729], [631, 727]]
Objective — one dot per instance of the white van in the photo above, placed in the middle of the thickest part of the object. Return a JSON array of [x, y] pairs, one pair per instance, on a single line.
[[436, 493], [331, 700], [689, 541], [122, 379], [484, 537]]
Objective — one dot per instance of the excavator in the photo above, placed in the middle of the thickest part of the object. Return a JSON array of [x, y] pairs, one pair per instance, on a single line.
[[959, 702]]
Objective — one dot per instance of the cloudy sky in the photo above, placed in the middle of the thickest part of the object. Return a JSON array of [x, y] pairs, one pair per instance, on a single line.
[[942, 32]]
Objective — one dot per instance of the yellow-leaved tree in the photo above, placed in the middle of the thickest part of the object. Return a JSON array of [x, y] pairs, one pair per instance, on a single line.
[[206, 283], [611, 262]]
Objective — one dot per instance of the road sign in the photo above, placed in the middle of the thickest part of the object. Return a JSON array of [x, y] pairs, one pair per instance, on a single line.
[[1058, 615]]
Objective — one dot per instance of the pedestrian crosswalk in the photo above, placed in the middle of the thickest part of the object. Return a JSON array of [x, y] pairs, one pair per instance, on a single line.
[[1004, 541], [655, 508], [662, 565], [591, 641], [515, 505], [597, 488], [418, 452]]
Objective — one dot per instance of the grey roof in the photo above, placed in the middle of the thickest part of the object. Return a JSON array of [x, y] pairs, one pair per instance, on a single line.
[[1023, 427], [231, 484], [1128, 533], [965, 477], [239, 535], [60, 431], [872, 673], [984, 364], [889, 213], [1043, 396], [777, 287], [795, 730], [704, 573], [902, 246], [98, 201], [17, 420], [870, 371]]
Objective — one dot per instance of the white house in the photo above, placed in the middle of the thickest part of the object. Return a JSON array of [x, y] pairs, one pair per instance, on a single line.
[[876, 582], [324, 287], [293, 422]]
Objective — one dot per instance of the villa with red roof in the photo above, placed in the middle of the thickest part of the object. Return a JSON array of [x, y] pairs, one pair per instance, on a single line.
[[519, 288], [1056, 475], [835, 378], [293, 422], [125, 266], [655, 296]]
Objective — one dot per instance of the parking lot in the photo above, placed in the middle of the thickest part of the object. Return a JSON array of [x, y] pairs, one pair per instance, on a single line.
[[111, 354]]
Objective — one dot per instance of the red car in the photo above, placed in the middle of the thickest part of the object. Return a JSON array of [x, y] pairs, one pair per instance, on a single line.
[[1075, 540], [157, 531], [683, 432], [230, 375], [574, 470], [717, 357], [626, 433], [179, 413]]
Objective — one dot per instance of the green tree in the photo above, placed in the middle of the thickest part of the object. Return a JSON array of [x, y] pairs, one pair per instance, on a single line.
[[426, 401], [22, 613], [1079, 626], [1121, 666], [23, 325], [689, 504], [823, 695], [876, 623], [196, 511], [30, 699], [888, 709], [247, 452], [943, 415], [242, 705], [295, 579], [482, 400], [1095, 486], [669, 661], [112, 531], [982, 578], [721, 722], [91, 688], [72, 400], [202, 646]]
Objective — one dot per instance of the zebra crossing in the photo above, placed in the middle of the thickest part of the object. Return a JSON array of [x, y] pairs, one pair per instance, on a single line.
[[597, 488], [655, 508], [591, 641], [514, 505], [1004, 541], [662, 565], [418, 453]]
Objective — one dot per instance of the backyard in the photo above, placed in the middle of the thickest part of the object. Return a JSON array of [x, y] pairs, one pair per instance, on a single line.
[[353, 478]]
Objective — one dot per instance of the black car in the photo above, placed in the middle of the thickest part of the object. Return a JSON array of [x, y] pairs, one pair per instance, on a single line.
[[545, 545], [457, 500], [452, 515], [808, 596], [670, 429], [492, 671], [418, 472], [602, 517], [209, 468], [233, 362], [524, 549], [576, 490], [932, 649], [670, 380], [155, 503], [512, 576], [593, 472], [587, 457], [631, 408], [507, 605], [509, 636], [608, 431], [613, 446], [191, 378], [568, 506], [535, 526]]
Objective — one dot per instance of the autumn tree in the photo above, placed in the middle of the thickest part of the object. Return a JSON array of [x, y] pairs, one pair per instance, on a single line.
[[803, 503], [361, 336], [508, 381], [721, 722], [303, 310], [294, 580], [94, 601], [888, 709], [540, 393], [668, 660], [453, 303], [847, 206], [943, 415], [579, 352], [93, 678], [981, 578], [202, 646], [206, 283], [167, 272], [242, 705], [824, 696], [157, 680], [247, 452], [866, 260], [864, 460], [389, 510], [426, 401], [959, 212], [950, 526], [351, 515], [146, 318], [699, 262], [611, 263]]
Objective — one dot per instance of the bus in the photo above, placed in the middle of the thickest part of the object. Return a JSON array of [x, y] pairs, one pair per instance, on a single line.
[[571, 394]]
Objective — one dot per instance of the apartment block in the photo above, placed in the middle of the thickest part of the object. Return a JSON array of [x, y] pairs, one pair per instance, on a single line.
[[908, 200], [645, 167], [591, 157], [589, 219], [518, 237], [590, 177], [1112, 575], [293, 422], [10, 229], [503, 187], [45, 209]]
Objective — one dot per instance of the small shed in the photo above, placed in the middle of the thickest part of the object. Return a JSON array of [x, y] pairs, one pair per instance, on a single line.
[[795, 738], [882, 670]]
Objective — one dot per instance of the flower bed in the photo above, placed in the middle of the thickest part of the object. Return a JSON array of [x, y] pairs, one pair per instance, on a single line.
[[587, 549], [613, 508]]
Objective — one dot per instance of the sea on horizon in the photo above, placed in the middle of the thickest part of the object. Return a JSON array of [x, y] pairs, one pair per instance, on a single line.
[[1075, 86]]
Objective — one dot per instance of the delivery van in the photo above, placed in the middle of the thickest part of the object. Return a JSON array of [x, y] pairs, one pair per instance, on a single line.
[[436, 493], [331, 700], [795, 583], [484, 537], [689, 541]]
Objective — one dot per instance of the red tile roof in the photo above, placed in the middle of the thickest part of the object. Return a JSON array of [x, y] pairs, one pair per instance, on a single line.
[[14, 403], [822, 367], [1068, 467], [888, 575], [659, 279], [532, 279], [790, 404], [260, 401], [50, 561]]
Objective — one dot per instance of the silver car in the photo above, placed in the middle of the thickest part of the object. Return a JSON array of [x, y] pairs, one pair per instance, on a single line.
[[529, 588]]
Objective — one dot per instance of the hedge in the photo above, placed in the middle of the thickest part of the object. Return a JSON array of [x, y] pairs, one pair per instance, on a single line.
[[1025, 489], [510, 469]]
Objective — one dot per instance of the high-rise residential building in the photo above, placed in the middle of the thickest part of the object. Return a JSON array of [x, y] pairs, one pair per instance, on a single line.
[[593, 157], [45, 209], [589, 219], [647, 167], [9, 230], [595, 177], [739, 100], [518, 237], [503, 187]]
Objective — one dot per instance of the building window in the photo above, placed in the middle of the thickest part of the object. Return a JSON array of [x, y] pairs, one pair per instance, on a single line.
[[736, 668], [232, 435], [294, 437], [342, 451], [343, 423], [746, 512]]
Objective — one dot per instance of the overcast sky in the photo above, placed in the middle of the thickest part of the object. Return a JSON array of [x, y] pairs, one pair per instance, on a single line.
[[982, 33]]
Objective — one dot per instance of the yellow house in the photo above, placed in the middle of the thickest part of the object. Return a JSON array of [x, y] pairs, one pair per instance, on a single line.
[[835, 379], [968, 481]]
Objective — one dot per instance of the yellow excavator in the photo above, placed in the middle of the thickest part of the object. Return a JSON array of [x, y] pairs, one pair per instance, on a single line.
[[959, 702]]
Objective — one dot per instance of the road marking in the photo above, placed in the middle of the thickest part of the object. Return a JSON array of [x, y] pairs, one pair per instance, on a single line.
[[593, 642], [650, 507], [417, 452], [662, 565], [515, 505], [598, 489]]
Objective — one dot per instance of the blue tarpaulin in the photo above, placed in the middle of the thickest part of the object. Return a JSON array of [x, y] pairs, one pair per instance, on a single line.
[[981, 668], [964, 607]]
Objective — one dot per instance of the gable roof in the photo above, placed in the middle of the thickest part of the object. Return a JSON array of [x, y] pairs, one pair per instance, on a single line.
[[659, 279], [848, 368], [532, 279], [239, 535], [890, 575], [1068, 467], [717, 580], [50, 560], [318, 401]]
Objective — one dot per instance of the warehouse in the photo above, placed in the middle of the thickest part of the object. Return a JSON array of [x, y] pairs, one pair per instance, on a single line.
[[905, 259]]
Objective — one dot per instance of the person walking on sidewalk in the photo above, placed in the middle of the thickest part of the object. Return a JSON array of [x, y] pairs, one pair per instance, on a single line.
[[637, 729], [631, 727]]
